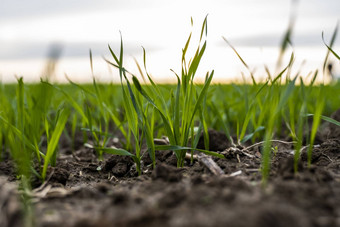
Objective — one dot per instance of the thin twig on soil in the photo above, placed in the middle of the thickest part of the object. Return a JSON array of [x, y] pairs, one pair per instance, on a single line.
[[42, 187], [237, 150], [210, 164], [303, 148], [234, 174], [238, 158], [262, 142]]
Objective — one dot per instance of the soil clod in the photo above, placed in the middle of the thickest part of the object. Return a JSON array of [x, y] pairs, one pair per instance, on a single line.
[[167, 173]]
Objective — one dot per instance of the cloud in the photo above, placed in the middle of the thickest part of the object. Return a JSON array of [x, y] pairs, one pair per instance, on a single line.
[[15, 50], [270, 40], [36, 8]]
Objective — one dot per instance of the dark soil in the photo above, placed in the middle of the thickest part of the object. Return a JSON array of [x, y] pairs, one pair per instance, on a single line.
[[82, 191]]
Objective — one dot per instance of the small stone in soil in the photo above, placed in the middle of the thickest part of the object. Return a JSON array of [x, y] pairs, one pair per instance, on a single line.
[[120, 169]]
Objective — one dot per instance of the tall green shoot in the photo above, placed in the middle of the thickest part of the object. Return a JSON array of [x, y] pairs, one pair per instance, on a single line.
[[54, 139], [329, 47], [316, 121], [277, 101], [137, 119], [298, 132], [178, 124]]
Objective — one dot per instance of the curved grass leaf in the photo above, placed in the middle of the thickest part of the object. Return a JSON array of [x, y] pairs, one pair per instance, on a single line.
[[328, 119], [53, 142], [74, 104], [330, 46], [114, 151], [19, 134], [249, 136], [148, 98]]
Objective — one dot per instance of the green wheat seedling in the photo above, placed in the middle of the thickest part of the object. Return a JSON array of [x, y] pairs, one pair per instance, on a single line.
[[111, 114], [251, 106], [14, 138], [315, 125], [186, 102], [275, 96], [53, 139], [297, 131], [178, 119], [97, 119], [100, 138], [93, 121], [99, 114], [269, 106], [25, 132], [137, 116], [18, 138], [33, 116], [277, 101]]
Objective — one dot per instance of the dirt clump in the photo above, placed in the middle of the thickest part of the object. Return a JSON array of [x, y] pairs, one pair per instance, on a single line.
[[82, 191]]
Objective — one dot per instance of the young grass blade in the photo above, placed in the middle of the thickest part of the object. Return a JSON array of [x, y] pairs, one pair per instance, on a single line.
[[202, 95], [204, 27], [300, 127], [286, 39], [94, 134], [122, 70], [197, 136], [279, 75], [196, 60], [328, 119], [119, 66], [114, 151], [74, 104], [188, 116], [314, 78], [238, 55], [119, 151], [184, 51], [165, 120], [121, 51], [335, 54], [249, 136], [287, 93], [249, 113], [116, 120], [329, 47], [18, 133], [176, 111], [52, 145], [133, 100], [140, 69], [268, 72], [316, 122], [221, 122], [241, 59], [149, 131], [91, 63], [87, 91], [261, 88], [113, 54], [20, 104], [203, 121], [155, 90], [98, 131]]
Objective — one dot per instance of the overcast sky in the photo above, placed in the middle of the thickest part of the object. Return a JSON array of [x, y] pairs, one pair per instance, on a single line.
[[29, 28]]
